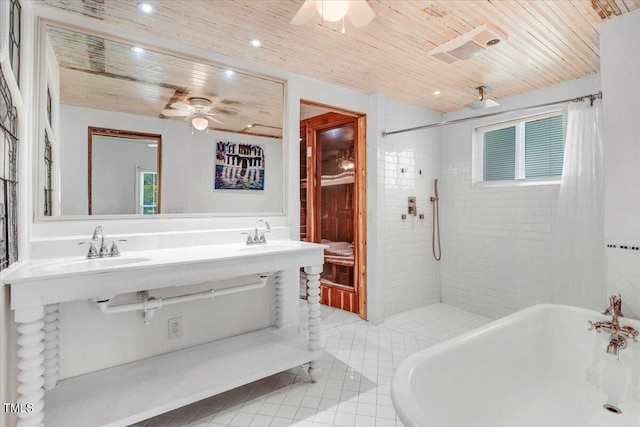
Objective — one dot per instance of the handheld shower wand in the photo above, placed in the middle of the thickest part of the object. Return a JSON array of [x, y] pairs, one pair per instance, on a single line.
[[436, 222], [435, 191]]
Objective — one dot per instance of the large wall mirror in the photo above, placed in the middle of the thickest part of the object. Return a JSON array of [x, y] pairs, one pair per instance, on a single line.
[[215, 144]]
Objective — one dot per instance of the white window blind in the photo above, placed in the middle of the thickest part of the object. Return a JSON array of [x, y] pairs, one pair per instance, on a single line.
[[500, 154], [531, 148], [544, 150]]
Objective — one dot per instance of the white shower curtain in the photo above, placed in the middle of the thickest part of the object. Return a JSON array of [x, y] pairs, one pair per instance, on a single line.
[[579, 255]]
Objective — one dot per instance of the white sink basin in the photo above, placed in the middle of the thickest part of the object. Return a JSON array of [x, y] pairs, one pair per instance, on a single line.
[[92, 263]]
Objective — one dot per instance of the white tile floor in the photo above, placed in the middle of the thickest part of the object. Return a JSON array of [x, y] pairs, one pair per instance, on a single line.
[[357, 369]]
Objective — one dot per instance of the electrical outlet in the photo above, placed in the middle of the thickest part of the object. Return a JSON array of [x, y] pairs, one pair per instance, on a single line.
[[175, 327]]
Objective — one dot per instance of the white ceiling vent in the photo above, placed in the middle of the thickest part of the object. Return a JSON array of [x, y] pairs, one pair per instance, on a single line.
[[469, 44]]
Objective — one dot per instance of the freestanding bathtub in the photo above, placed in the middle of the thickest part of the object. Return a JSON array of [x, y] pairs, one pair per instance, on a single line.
[[540, 367]]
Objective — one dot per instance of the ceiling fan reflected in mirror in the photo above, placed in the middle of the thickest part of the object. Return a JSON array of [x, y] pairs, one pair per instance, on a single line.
[[198, 111], [357, 11]]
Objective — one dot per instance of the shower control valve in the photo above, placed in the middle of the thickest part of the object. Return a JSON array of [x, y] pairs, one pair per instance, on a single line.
[[411, 206]]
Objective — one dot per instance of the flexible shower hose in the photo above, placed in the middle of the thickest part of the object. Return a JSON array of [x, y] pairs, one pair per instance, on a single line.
[[436, 229]]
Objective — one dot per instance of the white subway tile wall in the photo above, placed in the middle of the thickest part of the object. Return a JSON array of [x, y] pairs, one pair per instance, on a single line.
[[410, 163], [497, 242], [623, 277], [619, 45]]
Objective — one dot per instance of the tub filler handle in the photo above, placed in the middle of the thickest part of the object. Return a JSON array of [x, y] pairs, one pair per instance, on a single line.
[[619, 334]]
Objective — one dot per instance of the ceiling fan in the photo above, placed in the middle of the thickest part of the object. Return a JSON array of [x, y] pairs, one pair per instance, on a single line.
[[358, 11], [197, 111]]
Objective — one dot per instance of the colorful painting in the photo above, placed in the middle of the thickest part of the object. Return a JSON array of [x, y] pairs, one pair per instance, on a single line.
[[239, 166]]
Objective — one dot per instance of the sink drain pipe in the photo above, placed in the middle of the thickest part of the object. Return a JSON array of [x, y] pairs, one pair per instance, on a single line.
[[149, 305]]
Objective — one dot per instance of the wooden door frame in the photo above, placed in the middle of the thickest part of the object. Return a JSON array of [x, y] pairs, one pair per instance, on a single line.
[[334, 118]]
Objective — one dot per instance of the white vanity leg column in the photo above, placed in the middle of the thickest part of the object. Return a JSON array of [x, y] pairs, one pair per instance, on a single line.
[[30, 366], [313, 302], [280, 298], [51, 345]]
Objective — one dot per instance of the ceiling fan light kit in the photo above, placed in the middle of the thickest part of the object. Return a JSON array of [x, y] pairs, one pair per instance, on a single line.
[[358, 12], [200, 123], [197, 111], [332, 10], [469, 44]]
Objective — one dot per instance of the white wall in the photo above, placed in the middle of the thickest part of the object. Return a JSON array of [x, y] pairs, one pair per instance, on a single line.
[[410, 271], [90, 340], [187, 164], [497, 242], [115, 165], [620, 68]]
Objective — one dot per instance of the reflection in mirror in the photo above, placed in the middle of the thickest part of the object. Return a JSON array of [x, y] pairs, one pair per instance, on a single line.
[[191, 105], [48, 178], [124, 172]]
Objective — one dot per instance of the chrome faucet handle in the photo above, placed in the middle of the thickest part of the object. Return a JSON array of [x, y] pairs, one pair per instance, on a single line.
[[114, 251], [262, 238], [249, 239], [92, 253]]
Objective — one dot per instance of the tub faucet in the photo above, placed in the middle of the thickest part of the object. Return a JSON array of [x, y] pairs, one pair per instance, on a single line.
[[619, 334]]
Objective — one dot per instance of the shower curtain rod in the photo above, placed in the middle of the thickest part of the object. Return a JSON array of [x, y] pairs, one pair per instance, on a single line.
[[591, 98]]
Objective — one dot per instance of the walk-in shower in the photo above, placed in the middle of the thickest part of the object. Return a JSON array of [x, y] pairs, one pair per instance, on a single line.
[[435, 231]]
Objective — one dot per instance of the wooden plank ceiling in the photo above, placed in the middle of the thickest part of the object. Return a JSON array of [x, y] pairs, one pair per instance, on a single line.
[[548, 41]]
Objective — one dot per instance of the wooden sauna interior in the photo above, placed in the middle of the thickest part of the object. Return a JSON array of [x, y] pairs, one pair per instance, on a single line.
[[331, 204]]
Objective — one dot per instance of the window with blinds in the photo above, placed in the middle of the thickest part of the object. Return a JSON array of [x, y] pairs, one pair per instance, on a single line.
[[500, 154], [543, 147], [532, 148]]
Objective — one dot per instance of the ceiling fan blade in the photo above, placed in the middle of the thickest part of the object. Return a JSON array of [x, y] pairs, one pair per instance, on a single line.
[[181, 106], [213, 119], [360, 13], [175, 113], [305, 14]]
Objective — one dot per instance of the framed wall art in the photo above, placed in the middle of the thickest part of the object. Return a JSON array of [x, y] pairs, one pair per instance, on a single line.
[[239, 166]]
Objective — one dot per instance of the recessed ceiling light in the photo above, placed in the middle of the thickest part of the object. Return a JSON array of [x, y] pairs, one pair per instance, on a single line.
[[256, 43], [436, 92], [250, 125], [229, 73], [137, 49], [146, 8]]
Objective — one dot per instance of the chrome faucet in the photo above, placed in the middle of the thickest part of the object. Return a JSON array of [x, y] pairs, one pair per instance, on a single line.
[[98, 233], [619, 334], [258, 239], [104, 251]]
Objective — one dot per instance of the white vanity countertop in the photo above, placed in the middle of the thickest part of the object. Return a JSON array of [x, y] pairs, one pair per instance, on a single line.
[[65, 267]]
